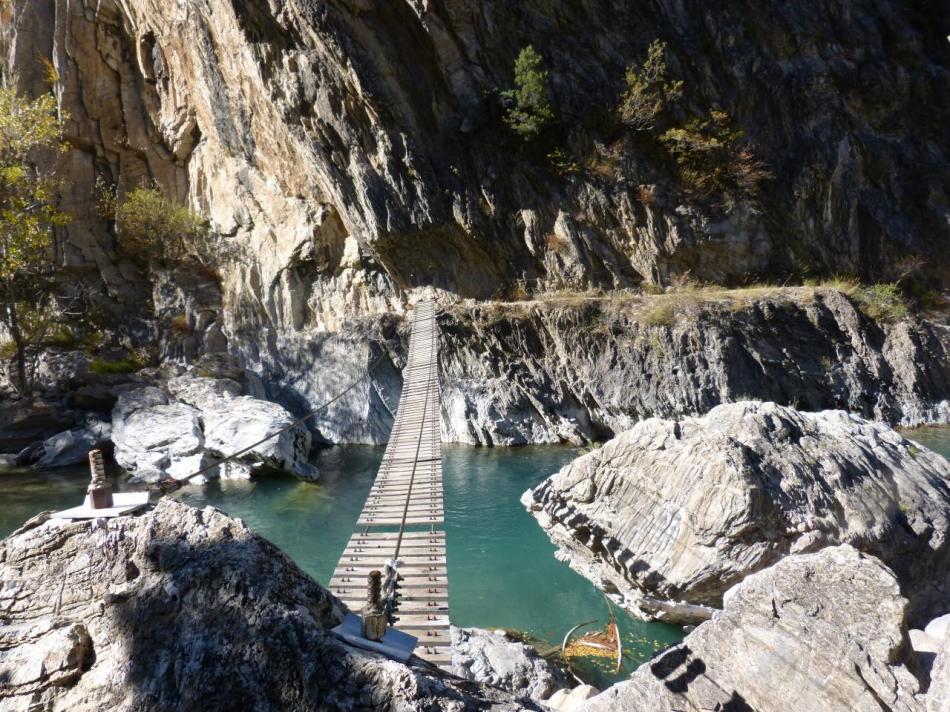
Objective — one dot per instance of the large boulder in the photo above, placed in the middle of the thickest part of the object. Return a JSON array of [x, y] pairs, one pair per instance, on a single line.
[[72, 446], [673, 511], [490, 657], [152, 436], [250, 423], [202, 421], [184, 609], [820, 631]]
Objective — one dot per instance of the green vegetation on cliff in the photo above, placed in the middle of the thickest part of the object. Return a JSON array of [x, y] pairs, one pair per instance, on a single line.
[[28, 216], [529, 111]]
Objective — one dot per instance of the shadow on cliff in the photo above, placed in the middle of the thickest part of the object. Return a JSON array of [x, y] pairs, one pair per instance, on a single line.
[[236, 625]]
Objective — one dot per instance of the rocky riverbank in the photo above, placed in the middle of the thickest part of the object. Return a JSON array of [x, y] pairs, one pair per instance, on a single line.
[[672, 513], [171, 423], [183, 609], [567, 368]]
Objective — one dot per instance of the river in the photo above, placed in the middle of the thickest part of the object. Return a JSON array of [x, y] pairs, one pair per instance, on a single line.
[[502, 570]]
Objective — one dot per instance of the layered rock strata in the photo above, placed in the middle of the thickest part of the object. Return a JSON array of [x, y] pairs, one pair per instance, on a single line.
[[680, 511], [583, 368], [822, 631]]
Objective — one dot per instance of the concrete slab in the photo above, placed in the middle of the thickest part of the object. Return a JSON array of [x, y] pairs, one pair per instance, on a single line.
[[123, 503]]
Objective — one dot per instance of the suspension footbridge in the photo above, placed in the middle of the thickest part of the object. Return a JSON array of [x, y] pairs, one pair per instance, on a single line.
[[403, 518]]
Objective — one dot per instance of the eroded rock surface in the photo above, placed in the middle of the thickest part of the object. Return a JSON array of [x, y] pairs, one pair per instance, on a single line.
[[585, 369], [184, 609], [821, 631], [682, 510], [580, 369], [490, 657]]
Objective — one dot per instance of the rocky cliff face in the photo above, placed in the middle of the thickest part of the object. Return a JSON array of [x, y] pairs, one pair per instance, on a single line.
[[820, 631], [182, 609], [584, 369], [350, 149], [680, 511]]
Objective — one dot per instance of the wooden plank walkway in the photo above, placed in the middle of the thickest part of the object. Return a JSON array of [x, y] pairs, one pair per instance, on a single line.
[[407, 495]]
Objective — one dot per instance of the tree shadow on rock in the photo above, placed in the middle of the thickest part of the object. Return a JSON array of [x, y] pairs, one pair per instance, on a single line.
[[234, 624]]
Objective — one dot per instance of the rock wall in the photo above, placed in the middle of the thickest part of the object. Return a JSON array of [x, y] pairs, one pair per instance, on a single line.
[[583, 370], [347, 150]]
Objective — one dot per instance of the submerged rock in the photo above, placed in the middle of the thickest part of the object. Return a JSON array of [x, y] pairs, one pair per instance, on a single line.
[[205, 419], [184, 609], [674, 511], [820, 631], [490, 657]]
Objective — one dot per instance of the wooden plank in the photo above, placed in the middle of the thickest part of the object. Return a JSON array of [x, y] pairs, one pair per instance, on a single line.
[[436, 536]]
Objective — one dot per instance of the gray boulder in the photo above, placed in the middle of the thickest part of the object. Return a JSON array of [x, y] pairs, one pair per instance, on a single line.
[[185, 609], [820, 631], [204, 420], [679, 511], [490, 657], [72, 446], [152, 436], [244, 423]]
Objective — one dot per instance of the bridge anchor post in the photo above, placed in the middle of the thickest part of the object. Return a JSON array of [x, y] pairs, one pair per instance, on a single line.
[[375, 618]]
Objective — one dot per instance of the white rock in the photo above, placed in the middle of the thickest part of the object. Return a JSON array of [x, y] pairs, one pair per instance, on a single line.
[[150, 438], [155, 438], [204, 393], [938, 627], [245, 422], [485, 656], [921, 642]]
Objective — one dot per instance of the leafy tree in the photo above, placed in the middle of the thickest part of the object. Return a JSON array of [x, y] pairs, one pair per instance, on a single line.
[[648, 91], [530, 109], [28, 127], [150, 225], [713, 159]]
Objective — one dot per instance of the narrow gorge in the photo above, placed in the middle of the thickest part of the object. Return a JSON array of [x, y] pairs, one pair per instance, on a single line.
[[690, 268]]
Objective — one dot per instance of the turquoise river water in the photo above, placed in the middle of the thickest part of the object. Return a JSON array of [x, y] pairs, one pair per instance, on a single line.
[[502, 570]]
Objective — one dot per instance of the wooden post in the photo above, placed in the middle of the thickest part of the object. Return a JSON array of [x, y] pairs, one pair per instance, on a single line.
[[100, 492], [374, 617]]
